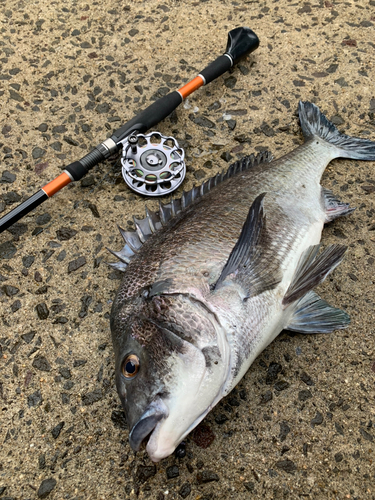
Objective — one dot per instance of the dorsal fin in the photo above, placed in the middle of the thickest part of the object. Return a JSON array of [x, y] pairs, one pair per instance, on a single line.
[[156, 220]]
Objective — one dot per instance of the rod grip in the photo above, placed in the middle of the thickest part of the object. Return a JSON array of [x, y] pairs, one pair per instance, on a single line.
[[149, 117]]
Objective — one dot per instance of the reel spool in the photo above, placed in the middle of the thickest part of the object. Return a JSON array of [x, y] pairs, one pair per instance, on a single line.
[[152, 164]]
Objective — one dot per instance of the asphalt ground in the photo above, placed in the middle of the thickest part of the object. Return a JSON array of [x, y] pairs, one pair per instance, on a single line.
[[301, 422]]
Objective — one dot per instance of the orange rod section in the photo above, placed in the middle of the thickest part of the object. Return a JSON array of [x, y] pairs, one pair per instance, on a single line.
[[52, 187], [190, 87]]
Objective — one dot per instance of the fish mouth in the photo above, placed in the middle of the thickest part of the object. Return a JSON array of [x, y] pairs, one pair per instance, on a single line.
[[146, 424]]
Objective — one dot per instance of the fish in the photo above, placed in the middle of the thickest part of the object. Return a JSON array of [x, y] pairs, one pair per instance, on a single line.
[[212, 278]]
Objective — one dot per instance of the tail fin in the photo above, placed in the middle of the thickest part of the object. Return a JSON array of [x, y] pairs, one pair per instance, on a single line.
[[314, 123]]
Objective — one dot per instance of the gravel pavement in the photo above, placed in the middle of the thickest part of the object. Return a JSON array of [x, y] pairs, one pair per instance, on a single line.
[[301, 423]]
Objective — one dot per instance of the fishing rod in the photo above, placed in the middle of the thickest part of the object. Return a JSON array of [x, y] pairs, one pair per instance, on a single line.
[[149, 164]]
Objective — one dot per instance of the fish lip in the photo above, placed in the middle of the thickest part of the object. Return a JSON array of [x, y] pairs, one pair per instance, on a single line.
[[146, 424]]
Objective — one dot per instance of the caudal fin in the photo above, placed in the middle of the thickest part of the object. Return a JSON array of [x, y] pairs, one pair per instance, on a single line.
[[314, 123]]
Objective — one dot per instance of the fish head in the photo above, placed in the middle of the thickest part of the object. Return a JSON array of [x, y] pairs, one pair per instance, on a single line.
[[170, 369]]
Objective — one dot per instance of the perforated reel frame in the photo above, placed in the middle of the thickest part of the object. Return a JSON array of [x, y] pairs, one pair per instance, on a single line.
[[154, 166]]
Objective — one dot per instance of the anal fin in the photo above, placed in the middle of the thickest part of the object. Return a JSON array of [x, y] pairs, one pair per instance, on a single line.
[[313, 315], [334, 207]]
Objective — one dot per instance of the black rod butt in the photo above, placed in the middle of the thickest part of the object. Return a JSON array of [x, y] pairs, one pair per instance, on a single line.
[[241, 42]]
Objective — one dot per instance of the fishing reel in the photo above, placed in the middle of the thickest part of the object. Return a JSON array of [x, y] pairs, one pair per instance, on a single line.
[[152, 164]]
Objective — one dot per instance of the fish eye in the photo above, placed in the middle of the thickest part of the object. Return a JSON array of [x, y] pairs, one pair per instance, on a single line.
[[130, 366]]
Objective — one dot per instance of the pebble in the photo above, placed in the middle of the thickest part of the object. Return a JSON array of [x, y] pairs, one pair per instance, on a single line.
[[286, 465], [41, 363], [172, 472], [145, 472], [203, 436], [119, 419], [76, 264], [207, 476], [56, 430], [42, 310], [46, 487], [185, 490]]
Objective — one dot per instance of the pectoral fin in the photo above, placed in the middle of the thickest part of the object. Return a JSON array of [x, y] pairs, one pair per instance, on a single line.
[[313, 315], [245, 261]]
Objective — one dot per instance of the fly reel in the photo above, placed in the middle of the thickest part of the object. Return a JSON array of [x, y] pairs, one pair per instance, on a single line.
[[152, 164]]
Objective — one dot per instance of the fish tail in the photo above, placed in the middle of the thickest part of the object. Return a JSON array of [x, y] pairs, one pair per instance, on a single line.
[[314, 123]]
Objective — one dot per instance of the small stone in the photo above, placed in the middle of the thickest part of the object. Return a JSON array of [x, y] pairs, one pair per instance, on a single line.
[[207, 476], [10, 290], [42, 364], [231, 124], [342, 82], [281, 385], [28, 260], [38, 153], [145, 472], [366, 435], [11, 197], [119, 419], [202, 121], [221, 419], [65, 372], [185, 490], [76, 264], [15, 306], [307, 379], [28, 337], [8, 177], [203, 436], [317, 420], [88, 181], [7, 250], [56, 430], [79, 362], [304, 395], [180, 451], [230, 82], [266, 397], [42, 461], [272, 373], [286, 465], [172, 472], [284, 431], [199, 174], [65, 233], [42, 310], [43, 219], [46, 487], [92, 397], [339, 457], [34, 399], [332, 68]]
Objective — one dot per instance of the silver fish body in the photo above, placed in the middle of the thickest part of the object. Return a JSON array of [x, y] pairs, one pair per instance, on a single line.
[[214, 277]]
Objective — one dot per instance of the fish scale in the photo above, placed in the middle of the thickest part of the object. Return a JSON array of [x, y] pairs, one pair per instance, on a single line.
[[211, 279]]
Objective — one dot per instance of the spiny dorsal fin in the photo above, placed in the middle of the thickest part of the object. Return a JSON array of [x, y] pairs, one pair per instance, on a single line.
[[312, 270], [155, 220]]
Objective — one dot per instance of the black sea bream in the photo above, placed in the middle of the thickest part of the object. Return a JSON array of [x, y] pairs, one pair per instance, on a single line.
[[212, 278]]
